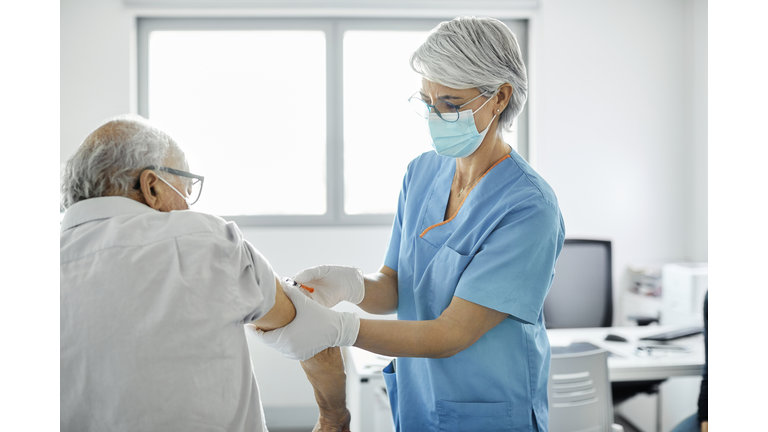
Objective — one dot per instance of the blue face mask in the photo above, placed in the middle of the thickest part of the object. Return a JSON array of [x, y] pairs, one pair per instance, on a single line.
[[457, 139]]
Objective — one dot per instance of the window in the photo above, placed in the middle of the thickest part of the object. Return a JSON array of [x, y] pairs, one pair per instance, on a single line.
[[292, 121], [247, 111]]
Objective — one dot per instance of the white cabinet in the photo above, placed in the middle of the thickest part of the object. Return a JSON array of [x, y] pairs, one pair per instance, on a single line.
[[367, 398]]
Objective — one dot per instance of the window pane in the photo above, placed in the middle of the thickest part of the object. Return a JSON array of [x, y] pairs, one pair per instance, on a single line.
[[249, 110], [381, 131]]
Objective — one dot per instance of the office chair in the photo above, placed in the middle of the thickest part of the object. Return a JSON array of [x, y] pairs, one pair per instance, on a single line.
[[579, 392], [581, 294]]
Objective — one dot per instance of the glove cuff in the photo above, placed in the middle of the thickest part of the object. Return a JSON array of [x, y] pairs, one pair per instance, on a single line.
[[350, 328], [359, 293]]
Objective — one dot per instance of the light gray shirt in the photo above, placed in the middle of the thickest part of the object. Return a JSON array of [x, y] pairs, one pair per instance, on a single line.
[[152, 312]]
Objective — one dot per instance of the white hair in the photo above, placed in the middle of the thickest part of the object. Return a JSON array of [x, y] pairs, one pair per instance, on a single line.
[[469, 52], [108, 161]]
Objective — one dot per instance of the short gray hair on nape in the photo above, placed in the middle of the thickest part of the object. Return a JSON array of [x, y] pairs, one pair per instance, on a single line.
[[469, 52], [108, 160]]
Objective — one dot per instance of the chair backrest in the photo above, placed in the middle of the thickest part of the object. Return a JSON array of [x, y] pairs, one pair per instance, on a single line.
[[579, 392], [581, 292]]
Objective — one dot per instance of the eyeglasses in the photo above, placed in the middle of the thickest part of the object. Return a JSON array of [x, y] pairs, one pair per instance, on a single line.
[[193, 182], [444, 109]]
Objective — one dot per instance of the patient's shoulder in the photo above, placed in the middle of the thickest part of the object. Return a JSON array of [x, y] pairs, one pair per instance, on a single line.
[[189, 222]]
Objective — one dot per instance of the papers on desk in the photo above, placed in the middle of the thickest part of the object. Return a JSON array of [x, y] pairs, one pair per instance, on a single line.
[[657, 350]]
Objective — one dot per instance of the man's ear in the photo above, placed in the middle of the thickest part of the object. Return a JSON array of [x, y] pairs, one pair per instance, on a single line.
[[148, 185]]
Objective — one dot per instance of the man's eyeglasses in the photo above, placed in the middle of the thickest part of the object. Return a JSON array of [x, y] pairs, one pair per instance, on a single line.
[[193, 182], [444, 109]]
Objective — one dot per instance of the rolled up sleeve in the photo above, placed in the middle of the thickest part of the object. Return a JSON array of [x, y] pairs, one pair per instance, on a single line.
[[253, 281]]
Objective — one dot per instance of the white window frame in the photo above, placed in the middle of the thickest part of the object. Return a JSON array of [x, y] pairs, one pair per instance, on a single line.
[[334, 28]]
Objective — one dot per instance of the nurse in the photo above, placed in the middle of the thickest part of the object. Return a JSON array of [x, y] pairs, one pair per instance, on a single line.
[[472, 251]]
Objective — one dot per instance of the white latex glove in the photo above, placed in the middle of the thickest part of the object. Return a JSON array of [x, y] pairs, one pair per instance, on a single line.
[[314, 329], [333, 284]]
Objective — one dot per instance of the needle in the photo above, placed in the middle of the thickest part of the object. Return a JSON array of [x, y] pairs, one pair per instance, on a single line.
[[293, 283]]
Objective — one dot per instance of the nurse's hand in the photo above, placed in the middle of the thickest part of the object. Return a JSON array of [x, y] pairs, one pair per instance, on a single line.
[[314, 329], [333, 284]]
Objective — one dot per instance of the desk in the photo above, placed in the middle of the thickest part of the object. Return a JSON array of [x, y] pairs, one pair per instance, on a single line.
[[625, 365], [369, 405]]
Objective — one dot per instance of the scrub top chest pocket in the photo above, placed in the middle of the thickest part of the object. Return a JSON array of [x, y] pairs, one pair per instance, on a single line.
[[434, 292]]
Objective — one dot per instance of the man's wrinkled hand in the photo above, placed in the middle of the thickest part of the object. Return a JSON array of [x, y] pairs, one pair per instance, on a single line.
[[339, 424], [325, 372]]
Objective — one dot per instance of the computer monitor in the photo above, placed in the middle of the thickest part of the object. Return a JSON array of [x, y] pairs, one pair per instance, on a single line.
[[581, 292]]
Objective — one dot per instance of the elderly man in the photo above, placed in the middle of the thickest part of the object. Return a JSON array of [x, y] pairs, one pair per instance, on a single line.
[[154, 300]]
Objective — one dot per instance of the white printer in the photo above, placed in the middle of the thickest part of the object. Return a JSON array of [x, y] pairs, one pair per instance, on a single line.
[[683, 287]]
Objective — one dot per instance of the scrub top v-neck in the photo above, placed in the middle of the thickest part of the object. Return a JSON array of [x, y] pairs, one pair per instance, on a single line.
[[499, 251]]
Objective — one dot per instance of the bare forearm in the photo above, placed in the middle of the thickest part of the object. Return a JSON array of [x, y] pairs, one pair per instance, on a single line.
[[380, 292], [457, 328], [281, 314], [429, 339], [325, 371]]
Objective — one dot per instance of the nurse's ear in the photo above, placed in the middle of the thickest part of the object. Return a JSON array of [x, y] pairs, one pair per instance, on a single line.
[[502, 98]]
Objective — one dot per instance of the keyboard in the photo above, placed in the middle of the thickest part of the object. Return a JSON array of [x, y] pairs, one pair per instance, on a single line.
[[675, 334]]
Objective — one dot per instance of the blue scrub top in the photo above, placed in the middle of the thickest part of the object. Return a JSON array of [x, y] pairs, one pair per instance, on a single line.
[[499, 251]]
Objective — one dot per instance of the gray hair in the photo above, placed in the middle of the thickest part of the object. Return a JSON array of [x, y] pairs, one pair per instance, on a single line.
[[469, 52], [108, 160]]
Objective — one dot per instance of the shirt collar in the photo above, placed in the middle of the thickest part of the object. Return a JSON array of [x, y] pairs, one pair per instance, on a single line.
[[101, 208]]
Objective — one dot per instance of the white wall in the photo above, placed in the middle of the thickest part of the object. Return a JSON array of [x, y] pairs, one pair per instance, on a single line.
[[96, 67], [697, 82], [621, 126]]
